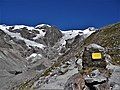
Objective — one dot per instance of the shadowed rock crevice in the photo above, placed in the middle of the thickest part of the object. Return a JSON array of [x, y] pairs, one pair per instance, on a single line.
[[15, 72], [91, 85]]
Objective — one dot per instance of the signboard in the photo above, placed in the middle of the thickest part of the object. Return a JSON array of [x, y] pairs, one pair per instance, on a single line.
[[96, 56]]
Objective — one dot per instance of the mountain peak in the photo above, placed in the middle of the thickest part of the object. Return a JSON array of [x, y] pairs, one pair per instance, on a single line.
[[91, 28], [42, 25]]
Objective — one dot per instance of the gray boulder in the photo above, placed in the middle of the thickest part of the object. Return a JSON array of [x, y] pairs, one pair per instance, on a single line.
[[75, 82], [90, 63]]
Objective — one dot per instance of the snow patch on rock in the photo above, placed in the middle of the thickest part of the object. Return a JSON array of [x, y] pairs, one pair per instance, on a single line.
[[18, 36], [41, 34], [73, 33], [42, 25]]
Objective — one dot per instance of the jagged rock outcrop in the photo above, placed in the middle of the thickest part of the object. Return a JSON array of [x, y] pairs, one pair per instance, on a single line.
[[28, 34], [91, 64], [3, 38], [52, 36], [97, 80]]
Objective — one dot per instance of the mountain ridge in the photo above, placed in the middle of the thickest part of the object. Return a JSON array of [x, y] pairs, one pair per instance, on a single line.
[[41, 56]]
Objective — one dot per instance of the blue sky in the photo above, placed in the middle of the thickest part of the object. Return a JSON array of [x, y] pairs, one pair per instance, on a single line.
[[65, 14]]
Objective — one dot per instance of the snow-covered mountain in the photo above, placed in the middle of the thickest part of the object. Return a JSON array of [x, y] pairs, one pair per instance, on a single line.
[[15, 32], [44, 57], [36, 46]]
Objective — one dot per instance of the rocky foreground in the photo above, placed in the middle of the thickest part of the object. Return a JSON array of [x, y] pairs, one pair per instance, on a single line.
[[44, 57]]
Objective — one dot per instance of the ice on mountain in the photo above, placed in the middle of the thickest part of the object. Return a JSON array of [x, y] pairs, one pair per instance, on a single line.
[[72, 33], [88, 32], [18, 36], [23, 26], [34, 55]]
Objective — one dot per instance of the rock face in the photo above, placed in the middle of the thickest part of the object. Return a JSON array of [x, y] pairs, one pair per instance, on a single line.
[[90, 63], [11, 65], [97, 80], [3, 42], [114, 80], [76, 82], [52, 36], [28, 34]]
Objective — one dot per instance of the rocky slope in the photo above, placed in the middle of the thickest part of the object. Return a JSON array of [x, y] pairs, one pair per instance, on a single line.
[[108, 37], [44, 57], [27, 51]]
